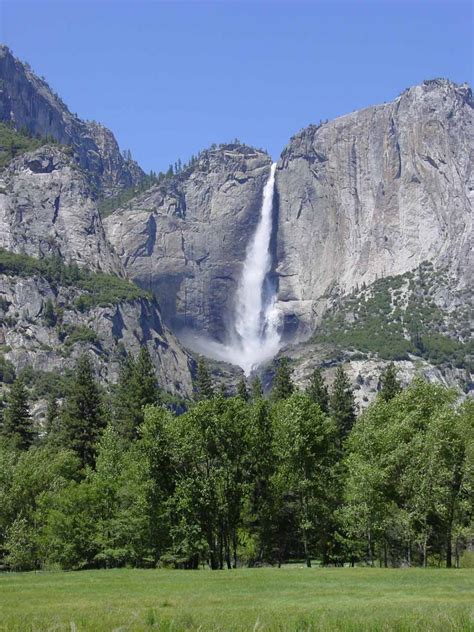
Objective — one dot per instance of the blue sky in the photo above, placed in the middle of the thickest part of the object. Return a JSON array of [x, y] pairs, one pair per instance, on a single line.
[[170, 78]]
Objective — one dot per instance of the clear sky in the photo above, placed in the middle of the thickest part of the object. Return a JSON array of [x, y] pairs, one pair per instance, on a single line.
[[170, 78]]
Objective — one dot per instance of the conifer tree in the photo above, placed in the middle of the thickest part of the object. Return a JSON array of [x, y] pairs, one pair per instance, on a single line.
[[136, 388], [342, 404], [49, 315], [83, 420], [16, 426], [145, 379], [389, 385], [256, 389], [203, 385], [318, 391], [242, 391], [52, 420], [283, 387]]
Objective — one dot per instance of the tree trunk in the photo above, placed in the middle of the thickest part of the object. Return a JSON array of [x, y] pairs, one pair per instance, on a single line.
[[425, 549], [369, 548], [234, 547], [449, 549]]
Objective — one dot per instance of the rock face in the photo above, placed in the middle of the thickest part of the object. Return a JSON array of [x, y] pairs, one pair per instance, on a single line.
[[47, 208], [373, 194], [103, 332], [186, 239], [28, 102]]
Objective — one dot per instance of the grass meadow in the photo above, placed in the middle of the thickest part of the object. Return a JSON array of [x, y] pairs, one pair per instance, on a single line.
[[271, 599]]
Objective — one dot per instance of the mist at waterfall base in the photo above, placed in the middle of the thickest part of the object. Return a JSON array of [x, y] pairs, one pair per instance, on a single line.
[[254, 337]]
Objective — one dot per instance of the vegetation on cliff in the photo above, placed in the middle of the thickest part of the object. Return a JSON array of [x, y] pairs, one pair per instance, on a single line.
[[14, 142], [98, 288], [397, 317]]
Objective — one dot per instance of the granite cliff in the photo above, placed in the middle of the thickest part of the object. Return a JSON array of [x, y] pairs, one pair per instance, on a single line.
[[374, 194], [28, 102], [186, 239], [48, 213], [371, 239]]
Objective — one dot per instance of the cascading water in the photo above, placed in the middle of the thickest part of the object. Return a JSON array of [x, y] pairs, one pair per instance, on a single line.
[[256, 322], [254, 338]]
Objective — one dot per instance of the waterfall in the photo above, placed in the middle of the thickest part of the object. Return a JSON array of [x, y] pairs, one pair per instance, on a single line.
[[254, 338], [256, 318]]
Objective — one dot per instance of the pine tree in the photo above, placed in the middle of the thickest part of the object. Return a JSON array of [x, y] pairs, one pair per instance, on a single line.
[[283, 387], [318, 391], [49, 315], [17, 427], [203, 385], [342, 404], [124, 399], [52, 424], [136, 388], [242, 391], [83, 419], [256, 389], [222, 390], [145, 379], [389, 385]]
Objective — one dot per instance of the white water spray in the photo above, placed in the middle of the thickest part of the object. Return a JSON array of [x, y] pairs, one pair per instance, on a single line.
[[255, 338], [256, 321]]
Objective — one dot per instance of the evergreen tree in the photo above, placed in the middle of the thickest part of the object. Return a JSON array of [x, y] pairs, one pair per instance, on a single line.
[[256, 389], [17, 427], [124, 399], [342, 404], [283, 387], [318, 391], [389, 385], [52, 418], [242, 391], [83, 419], [136, 388], [203, 384], [145, 379], [49, 315]]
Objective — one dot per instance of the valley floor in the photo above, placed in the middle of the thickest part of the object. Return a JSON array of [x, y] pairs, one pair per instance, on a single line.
[[291, 598]]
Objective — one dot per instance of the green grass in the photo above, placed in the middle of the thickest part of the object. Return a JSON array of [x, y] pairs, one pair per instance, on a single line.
[[290, 598]]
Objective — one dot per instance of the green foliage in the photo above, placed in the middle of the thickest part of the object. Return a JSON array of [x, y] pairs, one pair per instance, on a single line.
[[389, 385], [98, 289], [49, 313], [304, 440], [137, 388], [397, 317], [256, 388], [108, 205], [7, 370], [13, 143], [409, 486], [16, 425], [41, 384], [283, 387], [242, 390], [232, 482], [203, 385], [72, 334], [82, 415], [342, 404], [317, 390]]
